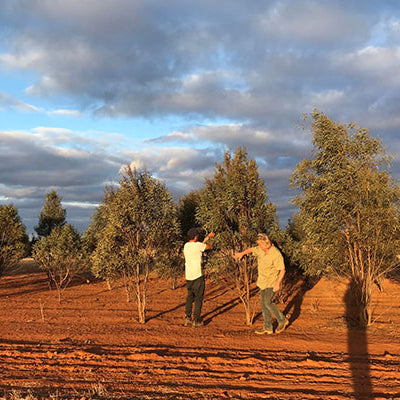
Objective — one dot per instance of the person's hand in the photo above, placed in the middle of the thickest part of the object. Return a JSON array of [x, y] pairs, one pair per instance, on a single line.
[[276, 287], [237, 256], [211, 235]]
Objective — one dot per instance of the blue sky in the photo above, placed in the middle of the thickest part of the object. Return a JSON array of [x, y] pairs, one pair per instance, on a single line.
[[88, 87]]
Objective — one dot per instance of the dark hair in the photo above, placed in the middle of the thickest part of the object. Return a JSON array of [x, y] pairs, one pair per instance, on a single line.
[[192, 233]]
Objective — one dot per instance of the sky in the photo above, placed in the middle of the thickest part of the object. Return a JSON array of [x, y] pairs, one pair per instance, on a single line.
[[88, 87]]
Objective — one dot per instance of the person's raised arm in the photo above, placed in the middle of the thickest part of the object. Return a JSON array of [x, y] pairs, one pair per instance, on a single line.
[[208, 237]]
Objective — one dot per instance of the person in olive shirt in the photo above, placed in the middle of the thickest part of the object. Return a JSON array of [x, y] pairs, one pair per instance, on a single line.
[[271, 270]]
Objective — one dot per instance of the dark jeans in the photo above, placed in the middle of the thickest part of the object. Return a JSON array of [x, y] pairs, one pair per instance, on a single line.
[[195, 293], [269, 308]]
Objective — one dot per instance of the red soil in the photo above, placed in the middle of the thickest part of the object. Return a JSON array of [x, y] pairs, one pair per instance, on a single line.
[[91, 347]]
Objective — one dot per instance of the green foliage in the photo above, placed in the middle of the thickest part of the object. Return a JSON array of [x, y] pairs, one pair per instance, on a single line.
[[234, 205], [60, 255], [13, 238], [52, 215], [349, 206], [98, 222], [140, 232], [172, 265], [187, 207], [292, 244]]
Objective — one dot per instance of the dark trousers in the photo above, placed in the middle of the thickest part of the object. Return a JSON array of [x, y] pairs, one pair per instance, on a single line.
[[195, 293]]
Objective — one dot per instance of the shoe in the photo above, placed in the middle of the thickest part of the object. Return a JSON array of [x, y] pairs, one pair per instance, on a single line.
[[197, 324], [187, 321], [281, 327], [264, 331]]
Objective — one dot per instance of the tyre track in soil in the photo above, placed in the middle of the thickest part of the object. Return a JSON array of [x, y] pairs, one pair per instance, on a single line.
[[91, 371]]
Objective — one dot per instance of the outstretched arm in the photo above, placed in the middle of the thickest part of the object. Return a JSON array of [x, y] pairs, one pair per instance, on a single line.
[[240, 254]]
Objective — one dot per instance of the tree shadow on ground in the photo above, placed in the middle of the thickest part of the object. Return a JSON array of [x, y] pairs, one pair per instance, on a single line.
[[357, 346], [209, 296], [161, 313], [24, 266], [394, 275], [22, 281], [17, 285], [296, 285], [225, 307]]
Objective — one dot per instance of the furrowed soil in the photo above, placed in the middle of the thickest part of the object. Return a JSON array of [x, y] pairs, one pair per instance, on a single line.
[[90, 345]]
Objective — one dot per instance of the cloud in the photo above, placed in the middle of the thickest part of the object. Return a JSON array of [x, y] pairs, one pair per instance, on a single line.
[[148, 60], [182, 169], [268, 145], [73, 113], [35, 159], [8, 102], [226, 74], [35, 162]]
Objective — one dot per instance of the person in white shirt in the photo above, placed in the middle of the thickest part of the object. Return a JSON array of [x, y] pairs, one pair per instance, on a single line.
[[195, 283]]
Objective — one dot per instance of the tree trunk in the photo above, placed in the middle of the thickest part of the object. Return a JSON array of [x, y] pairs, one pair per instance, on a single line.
[[360, 290], [141, 294], [366, 306], [174, 283], [126, 287], [243, 284]]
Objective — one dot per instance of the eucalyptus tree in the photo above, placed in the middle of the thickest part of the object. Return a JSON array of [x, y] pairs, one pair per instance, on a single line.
[[187, 208], [348, 208], [60, 255], [91, 237], [13, 238], [141, 231], [52, 214], [234, 205]]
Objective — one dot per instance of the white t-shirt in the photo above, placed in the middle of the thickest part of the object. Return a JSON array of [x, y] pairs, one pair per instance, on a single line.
[[193, 252]]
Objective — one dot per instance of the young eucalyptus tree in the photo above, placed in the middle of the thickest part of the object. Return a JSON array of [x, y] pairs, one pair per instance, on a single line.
[[52, 215], [60, 255], [13, 238], [141, 230], [235, 206], [349, 208]]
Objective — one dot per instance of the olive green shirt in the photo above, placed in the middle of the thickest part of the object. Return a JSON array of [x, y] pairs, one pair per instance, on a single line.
[[269, 266]]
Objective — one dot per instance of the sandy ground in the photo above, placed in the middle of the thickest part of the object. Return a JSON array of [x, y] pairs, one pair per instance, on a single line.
[[91, 347]]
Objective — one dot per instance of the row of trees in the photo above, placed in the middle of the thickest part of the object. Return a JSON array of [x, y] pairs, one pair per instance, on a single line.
[[347, 223]]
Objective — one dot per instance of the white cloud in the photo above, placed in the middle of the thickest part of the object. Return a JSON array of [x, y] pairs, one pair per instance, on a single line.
[[72, 113], [80, 204], [379, 65]]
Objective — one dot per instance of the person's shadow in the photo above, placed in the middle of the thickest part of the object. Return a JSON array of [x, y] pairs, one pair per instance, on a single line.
[[299, 287], [357, 345]]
